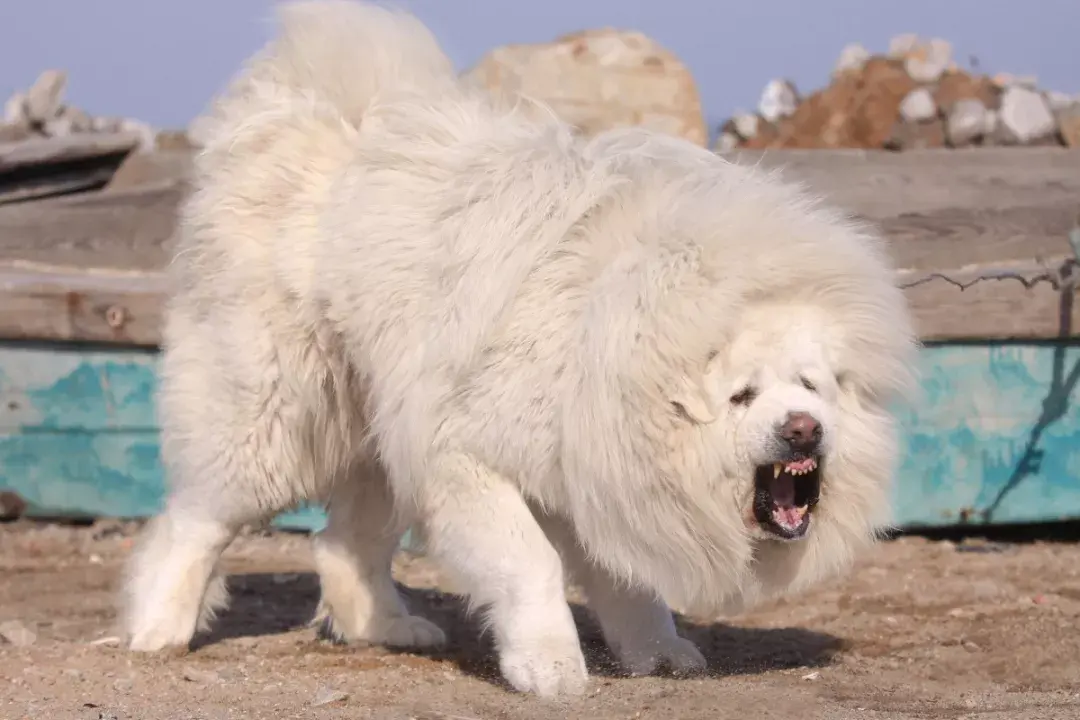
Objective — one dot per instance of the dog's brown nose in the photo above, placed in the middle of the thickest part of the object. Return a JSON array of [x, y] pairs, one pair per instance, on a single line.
[[801, 431]]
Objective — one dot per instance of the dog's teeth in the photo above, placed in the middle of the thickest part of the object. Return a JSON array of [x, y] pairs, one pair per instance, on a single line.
[[777, 468]]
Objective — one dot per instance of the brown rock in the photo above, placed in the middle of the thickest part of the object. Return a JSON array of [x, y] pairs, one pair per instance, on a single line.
[[1068, 120], [956, 86], [860, 109], [11, 505], [917, 136], [767, 134], [601, 79], [173, 140]]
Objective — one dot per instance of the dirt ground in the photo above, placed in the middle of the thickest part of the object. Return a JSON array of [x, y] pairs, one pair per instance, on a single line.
[[923, 629]]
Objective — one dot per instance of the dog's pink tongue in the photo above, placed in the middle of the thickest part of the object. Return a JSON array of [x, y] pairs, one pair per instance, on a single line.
[[783, 494], [787, 517], [783, 491]]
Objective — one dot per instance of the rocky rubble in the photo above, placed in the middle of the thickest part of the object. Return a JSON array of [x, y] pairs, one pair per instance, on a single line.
[[49, 147], [912, 97]]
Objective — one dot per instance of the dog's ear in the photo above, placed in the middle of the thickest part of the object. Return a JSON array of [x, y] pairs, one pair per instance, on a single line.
[[694, 395]]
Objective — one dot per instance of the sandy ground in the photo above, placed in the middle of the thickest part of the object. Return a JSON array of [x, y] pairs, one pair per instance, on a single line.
[[923, 629]]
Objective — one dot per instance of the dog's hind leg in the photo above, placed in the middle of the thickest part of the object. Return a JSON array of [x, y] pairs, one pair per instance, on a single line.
[[353, 556], [236, 444], [172, 588]]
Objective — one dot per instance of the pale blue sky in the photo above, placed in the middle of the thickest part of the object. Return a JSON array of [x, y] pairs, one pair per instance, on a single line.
[[160, 60]]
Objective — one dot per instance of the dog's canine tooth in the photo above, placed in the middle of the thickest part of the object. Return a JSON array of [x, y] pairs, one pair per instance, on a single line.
[[777, 469]]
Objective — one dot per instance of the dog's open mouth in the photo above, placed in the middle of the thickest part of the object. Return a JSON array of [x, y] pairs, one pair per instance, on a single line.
[[785, 494]]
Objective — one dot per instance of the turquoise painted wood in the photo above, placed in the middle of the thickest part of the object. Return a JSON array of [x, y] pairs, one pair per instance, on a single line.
[[994, 438], [78, 433]]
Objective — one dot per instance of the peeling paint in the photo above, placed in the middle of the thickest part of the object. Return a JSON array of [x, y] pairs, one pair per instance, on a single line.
[[994, 436]]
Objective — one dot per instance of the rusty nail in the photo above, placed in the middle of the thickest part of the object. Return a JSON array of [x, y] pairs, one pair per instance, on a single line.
[[115, 316]]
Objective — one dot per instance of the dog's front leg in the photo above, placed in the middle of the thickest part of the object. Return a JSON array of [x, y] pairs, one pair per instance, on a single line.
[[478, 526], [637, 624]]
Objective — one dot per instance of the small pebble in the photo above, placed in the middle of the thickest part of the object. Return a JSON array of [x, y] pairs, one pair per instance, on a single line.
[[108, 640], [196, 675], [326, 696], [17, 634], [811, 676]]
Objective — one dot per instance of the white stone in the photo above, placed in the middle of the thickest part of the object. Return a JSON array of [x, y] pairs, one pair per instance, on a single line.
[[967, 120], [15, 110], [58, 127], [928, 62], [852, 58], [1007, 80], [1060, 101], [902, 45], [727, 142], [44, 99], [746, 125], [779, 99], [918, 106], [17, 634], [79, 119], [147, 134], [1026, 114], [103, 124]]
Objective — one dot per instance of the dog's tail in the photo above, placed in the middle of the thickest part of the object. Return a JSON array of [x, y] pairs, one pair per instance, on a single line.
[[340, 54]]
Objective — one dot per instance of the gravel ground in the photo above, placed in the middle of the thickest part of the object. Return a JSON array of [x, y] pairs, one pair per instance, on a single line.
[[922, 629]]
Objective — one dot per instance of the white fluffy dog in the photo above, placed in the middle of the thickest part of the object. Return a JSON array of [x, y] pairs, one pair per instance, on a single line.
[[620, 357]]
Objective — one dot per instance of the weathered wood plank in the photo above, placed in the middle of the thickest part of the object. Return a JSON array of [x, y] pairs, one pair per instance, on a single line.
[[941, 210], [1028, 301], [95, 305], [55, 150], [125, 230], [993, 438], [56, 183]]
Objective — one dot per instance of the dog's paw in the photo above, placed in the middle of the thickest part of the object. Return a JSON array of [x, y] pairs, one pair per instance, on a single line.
[[677, 654], [550, 667], [410, 631], [158, 637], [407, 631]]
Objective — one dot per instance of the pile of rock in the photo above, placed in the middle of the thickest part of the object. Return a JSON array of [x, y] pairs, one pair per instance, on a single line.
[[913, 97], [42, 112], [49, 147]]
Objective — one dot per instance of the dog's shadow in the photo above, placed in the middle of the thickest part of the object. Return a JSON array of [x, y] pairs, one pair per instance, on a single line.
[[268, 604]]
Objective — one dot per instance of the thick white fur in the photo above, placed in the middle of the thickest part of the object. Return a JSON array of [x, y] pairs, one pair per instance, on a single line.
[[424, 305]]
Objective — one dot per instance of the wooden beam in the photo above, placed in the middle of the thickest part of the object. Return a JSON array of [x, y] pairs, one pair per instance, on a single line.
[[51, 150], [952, 213], [995, 301], [128, 229], [39, 302]]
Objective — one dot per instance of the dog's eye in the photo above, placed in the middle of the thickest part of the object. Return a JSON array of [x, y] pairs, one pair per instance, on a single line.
[[744, 396], [807, 384]]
